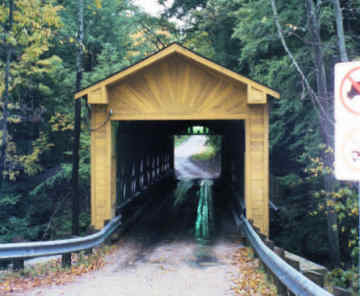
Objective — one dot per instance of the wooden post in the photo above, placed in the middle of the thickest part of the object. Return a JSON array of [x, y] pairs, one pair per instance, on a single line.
[[293, 263], [280, 287], [257, 167], [102, 163], [89, 251], [316, 277], [280, 252], [4, 263], [270, 244], [172, 153], [341, 292], [66, 260], [18, 264]]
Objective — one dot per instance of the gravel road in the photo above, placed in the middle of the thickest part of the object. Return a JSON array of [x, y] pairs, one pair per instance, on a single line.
[[185, 168], [169, 269]]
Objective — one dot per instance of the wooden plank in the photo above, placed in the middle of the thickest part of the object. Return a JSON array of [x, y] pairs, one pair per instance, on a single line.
[[226, 72], [266, 170], [248, 195], [177, 116], [153, 93], [256, 95], [101, 170], [98, 96], [257, 183]]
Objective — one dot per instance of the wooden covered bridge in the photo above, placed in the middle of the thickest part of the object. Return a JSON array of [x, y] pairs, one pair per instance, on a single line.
[[136, 112]]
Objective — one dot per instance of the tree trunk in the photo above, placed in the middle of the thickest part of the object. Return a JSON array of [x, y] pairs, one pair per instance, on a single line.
[[325, 127], [340, 31], [4, 127], [322, 104], [76, 143]]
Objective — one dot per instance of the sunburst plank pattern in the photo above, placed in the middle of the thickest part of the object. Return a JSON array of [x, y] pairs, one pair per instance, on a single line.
[[177, 87]]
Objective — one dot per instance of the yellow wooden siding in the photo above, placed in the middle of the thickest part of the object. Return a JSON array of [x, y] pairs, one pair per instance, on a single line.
[[177, 89], [172, 50], [257, 167], [98, 96], [101, 167], [256, 96], [113, 171]]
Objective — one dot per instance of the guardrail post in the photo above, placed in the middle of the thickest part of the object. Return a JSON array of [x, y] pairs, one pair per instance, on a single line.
[[293, 263], [246, 240], [18, 264], [4, 263], [316, 277], [66, 260], [341, 292], [280, 252], [281, 289], [270, 244]]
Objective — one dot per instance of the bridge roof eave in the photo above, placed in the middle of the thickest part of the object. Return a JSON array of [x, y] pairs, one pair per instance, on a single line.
[[176, 48]]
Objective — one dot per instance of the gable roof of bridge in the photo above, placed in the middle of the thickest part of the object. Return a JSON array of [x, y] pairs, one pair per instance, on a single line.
[[175, 48]]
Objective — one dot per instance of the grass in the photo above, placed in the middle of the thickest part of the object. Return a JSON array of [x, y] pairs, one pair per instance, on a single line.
[[180, 139], [206, 155]]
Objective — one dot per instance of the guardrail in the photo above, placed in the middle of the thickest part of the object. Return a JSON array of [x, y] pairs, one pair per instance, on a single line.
[[20, 251], [289, 277], [17, 252]]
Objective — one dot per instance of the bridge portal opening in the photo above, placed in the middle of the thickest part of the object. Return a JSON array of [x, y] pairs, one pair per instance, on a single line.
[[148, 164], [146, 152]]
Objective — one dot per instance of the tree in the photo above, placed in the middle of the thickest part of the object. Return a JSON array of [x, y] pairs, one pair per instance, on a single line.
[[340, 31], [4, 128], [75, 154], [27, 30], [323, 102]]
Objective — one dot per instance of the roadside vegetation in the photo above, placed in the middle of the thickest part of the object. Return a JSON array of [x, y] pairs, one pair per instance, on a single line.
[[212, 151], [206, 155], [180, 139]]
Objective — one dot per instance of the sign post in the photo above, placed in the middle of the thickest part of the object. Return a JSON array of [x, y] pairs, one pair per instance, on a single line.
[[347, 128]]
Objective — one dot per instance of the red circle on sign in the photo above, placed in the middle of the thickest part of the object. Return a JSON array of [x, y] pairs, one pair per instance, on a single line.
[[348, 77]]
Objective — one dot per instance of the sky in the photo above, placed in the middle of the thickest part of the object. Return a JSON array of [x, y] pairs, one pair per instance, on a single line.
[[151, 6]]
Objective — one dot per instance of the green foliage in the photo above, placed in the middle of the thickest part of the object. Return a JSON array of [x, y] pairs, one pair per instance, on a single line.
[[347, 279], [342, 199], [37, 195], [214, 141], [180, 139], [207, 155], [14, 221]]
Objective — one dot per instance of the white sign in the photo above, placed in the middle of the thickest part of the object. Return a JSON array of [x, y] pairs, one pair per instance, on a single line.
[[347, 121]]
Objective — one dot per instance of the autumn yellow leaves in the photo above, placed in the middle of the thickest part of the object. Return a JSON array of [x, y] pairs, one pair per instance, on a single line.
[[51, 273], [251, 280]]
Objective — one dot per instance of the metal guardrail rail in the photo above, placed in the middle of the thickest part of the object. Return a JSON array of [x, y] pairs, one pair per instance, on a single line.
[[56, 247], [294, 281], [27, 250]]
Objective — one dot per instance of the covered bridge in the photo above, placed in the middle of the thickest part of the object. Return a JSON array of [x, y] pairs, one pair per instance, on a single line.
[[136, 112]]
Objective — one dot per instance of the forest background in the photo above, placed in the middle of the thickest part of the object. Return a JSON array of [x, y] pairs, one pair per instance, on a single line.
[[291, 46]]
